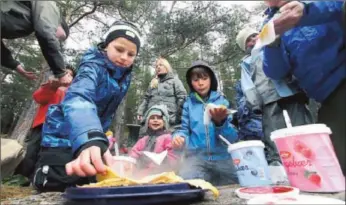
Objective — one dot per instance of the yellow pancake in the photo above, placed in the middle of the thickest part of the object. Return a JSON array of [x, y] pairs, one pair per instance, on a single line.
[[111, 179]]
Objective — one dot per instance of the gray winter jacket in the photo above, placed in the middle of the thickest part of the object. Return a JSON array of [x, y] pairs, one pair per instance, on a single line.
[[20, 19], [170, 92], [258, 88]]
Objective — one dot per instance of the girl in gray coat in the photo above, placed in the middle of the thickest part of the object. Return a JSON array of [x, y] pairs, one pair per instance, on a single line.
[[167, 89]]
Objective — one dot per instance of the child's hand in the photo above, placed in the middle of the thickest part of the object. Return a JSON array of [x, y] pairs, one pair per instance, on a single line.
[[89, 162], [178, 142], [54, 83], [218, 114]]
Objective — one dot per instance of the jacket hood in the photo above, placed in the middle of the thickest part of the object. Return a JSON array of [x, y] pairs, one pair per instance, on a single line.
[[213, 79], [165, 116], [99, 57]]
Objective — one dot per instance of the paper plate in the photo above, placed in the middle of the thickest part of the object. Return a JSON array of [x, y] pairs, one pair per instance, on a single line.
[[251, 192], [299, 199]]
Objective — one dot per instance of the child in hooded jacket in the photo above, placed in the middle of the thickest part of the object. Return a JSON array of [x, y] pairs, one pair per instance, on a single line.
[[74, 146], [206, 156], [157, 139]]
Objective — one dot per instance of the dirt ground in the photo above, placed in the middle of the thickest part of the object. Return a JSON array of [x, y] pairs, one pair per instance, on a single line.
[[8, 192]]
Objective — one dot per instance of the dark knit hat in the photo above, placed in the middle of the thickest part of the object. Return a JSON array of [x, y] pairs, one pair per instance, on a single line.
[[65, 26], [123, 29]]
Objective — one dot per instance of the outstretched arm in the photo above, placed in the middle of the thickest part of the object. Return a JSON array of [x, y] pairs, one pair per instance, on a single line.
[[46, 19]]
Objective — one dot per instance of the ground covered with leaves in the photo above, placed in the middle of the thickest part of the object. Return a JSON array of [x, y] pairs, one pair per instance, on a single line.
[[11, 188]]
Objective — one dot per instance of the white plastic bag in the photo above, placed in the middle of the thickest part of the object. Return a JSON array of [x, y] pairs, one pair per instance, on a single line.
[[278, 175], [206, 115]]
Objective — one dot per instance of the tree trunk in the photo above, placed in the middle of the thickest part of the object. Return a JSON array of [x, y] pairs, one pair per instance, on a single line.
[[25, 120], [119, 121]]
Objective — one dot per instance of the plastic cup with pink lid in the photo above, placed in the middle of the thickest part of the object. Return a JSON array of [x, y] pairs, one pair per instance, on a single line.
[[308, 157]]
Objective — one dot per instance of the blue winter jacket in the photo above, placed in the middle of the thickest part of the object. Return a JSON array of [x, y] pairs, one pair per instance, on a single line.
[[250, 124], [203, 141], [320, 12], [89, 104], [314, 55]]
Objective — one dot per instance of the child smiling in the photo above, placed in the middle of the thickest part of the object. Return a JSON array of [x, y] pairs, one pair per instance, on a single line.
[[157, 140]]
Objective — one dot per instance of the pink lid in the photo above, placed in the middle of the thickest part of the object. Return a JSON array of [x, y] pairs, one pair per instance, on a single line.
[[301, 130]]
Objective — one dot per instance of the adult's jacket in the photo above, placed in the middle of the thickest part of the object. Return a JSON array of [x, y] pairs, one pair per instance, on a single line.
[[314, 55], [170, 91], [20, 19]]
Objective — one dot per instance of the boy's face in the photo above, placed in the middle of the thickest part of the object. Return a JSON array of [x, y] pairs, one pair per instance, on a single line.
[[251, 41], [201, 84], [121, 52], [156, 122], [69, 72]]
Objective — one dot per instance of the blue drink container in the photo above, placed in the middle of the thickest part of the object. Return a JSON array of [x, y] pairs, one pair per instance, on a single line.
[[250, 163]]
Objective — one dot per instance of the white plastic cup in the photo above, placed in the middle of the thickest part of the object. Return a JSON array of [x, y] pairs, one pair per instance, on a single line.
[[123, 165], [250, 163], [309, 159]]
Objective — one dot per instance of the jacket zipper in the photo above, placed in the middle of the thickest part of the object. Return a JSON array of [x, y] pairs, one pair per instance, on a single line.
[[207, 137]]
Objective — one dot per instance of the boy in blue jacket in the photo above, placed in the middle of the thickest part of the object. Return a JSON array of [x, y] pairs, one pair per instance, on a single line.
[[73, 133], [206, 156]]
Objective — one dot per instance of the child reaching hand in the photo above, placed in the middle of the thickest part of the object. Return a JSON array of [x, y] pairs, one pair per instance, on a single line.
[[206, 156], [74, 146], [157, 140]]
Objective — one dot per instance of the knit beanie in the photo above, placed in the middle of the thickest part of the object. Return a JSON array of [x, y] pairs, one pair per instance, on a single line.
[[243, 35], [160, 110], [123, 29]]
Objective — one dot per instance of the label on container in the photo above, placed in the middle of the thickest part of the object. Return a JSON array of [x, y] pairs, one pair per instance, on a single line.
[[251, 166], [310, 163]]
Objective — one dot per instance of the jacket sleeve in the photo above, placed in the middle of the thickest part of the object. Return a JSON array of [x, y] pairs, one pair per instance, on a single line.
[[227, 129], [46, 19], [44, 94], [138, 147], [180, 93], [184, 128], [80, 110], [144, 105], [320, 12], [6, 58], [275, 62]]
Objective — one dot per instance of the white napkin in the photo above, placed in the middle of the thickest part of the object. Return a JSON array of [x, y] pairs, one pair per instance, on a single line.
[[156, 158]]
